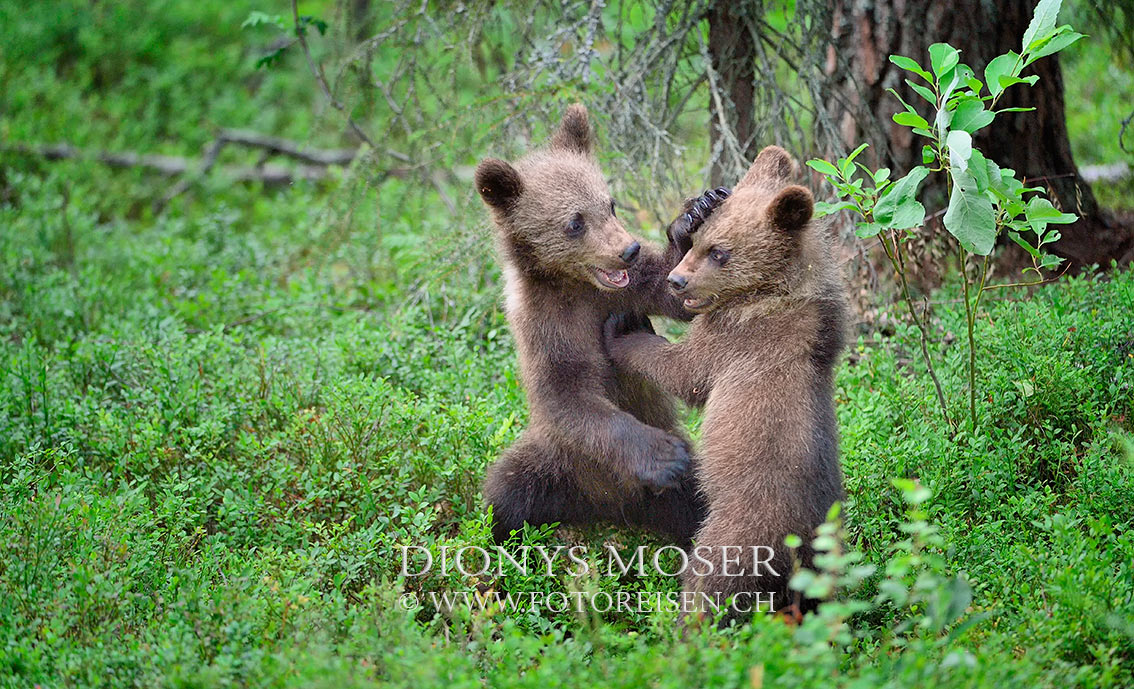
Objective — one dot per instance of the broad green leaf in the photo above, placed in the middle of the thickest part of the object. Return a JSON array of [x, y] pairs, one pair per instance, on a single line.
[[1006, 81], [1039, 208], [910, 119], [848, 162], [823, 208], [898, 208], [907, 106], [911, 65], [823, 167], [1004, 65], [909, 214], [971, 116], [1015, 236], [943, 57], [866, 171], [1012, 186], [964, 74], [923, 92], [1057, 43], [1050, 262], [970, 216], [927, 154], [996, 181], [855, 152], [881, 175], [865, 230], [1043, 21], [951, 85], [971, 220], [960, 144], [942, 120], [977, 168]]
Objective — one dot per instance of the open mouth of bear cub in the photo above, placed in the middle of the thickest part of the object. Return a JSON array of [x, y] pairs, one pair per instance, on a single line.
[[614, 279], [698, 305]]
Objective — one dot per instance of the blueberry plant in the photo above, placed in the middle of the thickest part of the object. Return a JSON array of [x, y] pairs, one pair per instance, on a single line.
[[985, 200]]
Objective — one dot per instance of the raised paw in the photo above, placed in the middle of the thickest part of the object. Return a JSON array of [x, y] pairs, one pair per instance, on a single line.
[[697, 210], [619, 324], [667, 462], [614, 327]]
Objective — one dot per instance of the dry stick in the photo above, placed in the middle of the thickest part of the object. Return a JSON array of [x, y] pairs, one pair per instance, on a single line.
[[270, 145], [172, 165], [183, 184], [275, 144]]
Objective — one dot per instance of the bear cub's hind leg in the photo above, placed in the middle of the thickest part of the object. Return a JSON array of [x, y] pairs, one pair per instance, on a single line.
[[530, 483]]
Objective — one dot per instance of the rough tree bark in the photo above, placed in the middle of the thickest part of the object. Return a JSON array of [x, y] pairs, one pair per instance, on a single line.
[[732, 51], [1034, 144]]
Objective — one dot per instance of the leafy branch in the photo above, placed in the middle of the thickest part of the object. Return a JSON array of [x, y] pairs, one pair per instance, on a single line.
[[985, 200]]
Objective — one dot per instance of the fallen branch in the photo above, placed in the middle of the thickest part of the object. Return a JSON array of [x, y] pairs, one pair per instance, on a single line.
[[274, 144], [313, 168], [270, 145], [172, 166]]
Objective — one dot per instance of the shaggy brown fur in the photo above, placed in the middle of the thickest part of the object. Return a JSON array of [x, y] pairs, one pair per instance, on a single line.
[[760, 358], [600, 446]]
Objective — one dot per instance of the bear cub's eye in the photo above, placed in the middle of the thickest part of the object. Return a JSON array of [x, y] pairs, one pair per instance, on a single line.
[[612, 206], [576, 227], [719, 256]]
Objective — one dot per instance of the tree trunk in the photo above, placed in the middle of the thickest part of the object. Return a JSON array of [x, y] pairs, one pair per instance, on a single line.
[[360, 19], [1034, 144], [732, 51]]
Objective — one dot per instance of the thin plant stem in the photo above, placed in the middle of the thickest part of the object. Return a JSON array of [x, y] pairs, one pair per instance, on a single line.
[[898, 263], [970, 317]]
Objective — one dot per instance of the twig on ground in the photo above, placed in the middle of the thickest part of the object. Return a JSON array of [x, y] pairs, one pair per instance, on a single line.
[[172, 166], [314, 167]]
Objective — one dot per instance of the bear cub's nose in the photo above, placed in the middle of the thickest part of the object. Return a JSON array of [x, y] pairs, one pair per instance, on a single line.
[[630, 253], [677, 282]]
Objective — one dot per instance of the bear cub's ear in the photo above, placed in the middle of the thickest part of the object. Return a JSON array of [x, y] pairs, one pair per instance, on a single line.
[[574, 133], [773, 164], [791, 209], [498, 183]]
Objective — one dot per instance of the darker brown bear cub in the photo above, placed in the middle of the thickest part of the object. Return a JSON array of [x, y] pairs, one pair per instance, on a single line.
[[759, 357], [600, 446]]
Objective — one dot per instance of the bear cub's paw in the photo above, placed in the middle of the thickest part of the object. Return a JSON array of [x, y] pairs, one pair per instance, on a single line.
[[696, 211], [619, 324], [663, 460]]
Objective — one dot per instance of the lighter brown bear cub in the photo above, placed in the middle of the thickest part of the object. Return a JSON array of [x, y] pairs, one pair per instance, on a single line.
[[759, 357], [600, 446]]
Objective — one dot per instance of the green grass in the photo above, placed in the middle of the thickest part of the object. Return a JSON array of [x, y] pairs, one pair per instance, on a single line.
[[218, 422]]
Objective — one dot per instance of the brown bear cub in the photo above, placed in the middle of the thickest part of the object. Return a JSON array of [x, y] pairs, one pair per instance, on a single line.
[[600, 446], [759, 357]]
